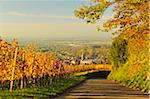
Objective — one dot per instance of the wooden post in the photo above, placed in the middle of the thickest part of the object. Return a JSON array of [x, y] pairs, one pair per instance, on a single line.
[[13, 71], [59, 71], [22, 68]]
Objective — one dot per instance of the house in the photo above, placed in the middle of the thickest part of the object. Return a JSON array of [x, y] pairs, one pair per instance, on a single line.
[[73, 62], [86, 61]]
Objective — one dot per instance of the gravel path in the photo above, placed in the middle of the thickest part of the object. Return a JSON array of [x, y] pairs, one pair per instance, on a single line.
[[102, 89]]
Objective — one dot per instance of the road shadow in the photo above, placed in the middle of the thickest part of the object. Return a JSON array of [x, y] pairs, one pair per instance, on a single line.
[[98, 75]]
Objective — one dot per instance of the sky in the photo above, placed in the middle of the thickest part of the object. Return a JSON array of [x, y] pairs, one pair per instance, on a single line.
[[47, 19]]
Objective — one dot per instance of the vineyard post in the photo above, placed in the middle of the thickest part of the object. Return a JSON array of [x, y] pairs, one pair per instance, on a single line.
[[13, 71], [59, 71], [52, 67], [22, 80]]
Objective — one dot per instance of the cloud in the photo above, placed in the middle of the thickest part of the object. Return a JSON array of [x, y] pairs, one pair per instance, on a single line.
[[20, 14], [13, 13]]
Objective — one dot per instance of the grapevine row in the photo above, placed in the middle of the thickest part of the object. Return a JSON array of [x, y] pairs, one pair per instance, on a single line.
[[32, 67]]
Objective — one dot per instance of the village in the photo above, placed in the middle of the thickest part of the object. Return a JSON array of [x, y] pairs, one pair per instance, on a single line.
[[83, 60]]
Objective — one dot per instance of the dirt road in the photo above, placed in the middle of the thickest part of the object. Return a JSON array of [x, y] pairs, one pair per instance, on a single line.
[[102, 89]]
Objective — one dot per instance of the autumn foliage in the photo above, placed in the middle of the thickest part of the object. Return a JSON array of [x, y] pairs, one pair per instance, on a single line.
[[33, 67], [30, 65], [129, 52]]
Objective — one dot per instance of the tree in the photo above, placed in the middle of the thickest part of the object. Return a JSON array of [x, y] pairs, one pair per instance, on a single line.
[[131, 20], [131, 24]]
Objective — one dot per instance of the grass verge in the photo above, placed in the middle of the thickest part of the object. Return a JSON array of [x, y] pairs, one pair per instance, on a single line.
[[43, 92]]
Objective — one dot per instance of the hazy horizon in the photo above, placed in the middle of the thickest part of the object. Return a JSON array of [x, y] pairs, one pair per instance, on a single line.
[[47, 20]]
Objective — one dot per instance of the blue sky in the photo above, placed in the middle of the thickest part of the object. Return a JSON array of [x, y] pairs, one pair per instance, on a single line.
[[47, 8], [50, 19]]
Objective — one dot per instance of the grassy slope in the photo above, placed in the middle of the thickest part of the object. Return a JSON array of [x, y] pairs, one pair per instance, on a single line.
[[43, 92], [134, 74]]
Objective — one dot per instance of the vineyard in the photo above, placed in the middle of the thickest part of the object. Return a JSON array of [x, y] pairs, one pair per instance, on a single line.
[[26, 67], [105, 65]]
